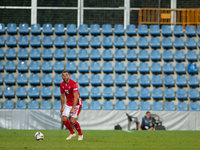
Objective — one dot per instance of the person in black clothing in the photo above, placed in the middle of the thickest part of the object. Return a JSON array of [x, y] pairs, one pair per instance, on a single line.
[[147, 122]]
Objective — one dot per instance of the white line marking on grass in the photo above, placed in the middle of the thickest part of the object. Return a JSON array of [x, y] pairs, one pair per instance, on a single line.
[[127, 130]]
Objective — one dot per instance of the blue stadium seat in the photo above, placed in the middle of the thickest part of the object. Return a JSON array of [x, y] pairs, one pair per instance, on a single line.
[[156, 67], [95, 42], [144, 93], [59, 29], [71, 54], [22, 53], [182, 106], [169, 94], [1, 41], [119, 54], [95, 67], [83, 92], [190, 43], [21, 92], [45, 104], [107, 42], [95, 54], [144, 80], [46, 79], [143, 55], [194, 106], [34, 79], [169, 80], [47, 41], [0, 92], [107, 80], [120, 80], [33, 92], [22, 79], [35, 41], [132, 93], [58, 66], [132, 105], [83, 29], [192, 68], [2, 28], [46, 66], [71, 29], [1, 53], [45, 92], [107, 93], [106, 29], [33, 104], [167, 42], [131, 54], [131, 67], [107, 105], [83, 67], [120, 93], [157, 106], [190, 30], [193, 81], [181, 81], [8, 104], [132, 80], [85, 105], [119, 42], [181, 94], [83, 79], [169, 106], [9, 92], [178, 30], [22, 66], [47, 28], [119, 29], [71, 41], [143, 67], [59, 41], [199, 43], [9, 79], [155, 42], [154, 30], [23, 41], [193, 94], [180, 68], [130, 42], [57, 79], [95, 105], [56, 92], [142, 30], [198, 30], [73, 77], [83, 54], [83, 42], [119, 67], [71, 66], [10, 53], [130, 29], [191, 55], [179, 43], [95, 92], [34, 66], [167, 55], [11, 28], [143, 42], [144, 105], [95, 29], [59, 54], [35, 29], [95, 79], [155, 55], [157, 93], [57, 105], [107, 54], [9, 66], [179, 55], [120, 105], [1, 79]]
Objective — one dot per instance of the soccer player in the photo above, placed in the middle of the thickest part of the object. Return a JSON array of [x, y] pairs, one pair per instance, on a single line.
[[69, 88]]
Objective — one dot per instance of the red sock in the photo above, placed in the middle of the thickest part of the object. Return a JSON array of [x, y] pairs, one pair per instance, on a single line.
[[69, 126], [78, 128]]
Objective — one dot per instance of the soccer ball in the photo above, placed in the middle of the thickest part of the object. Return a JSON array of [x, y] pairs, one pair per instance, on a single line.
[[39, 136]]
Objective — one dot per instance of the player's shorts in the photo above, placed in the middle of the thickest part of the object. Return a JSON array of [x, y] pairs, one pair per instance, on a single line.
[[67, 109]]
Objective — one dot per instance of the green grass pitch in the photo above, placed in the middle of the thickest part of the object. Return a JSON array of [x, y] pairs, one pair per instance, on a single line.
[[97, 139]]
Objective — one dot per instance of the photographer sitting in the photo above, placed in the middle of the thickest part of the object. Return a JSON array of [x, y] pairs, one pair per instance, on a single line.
[[147, 122]]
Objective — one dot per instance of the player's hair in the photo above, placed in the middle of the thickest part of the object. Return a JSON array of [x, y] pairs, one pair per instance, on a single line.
[[147, 112], [65, 72]]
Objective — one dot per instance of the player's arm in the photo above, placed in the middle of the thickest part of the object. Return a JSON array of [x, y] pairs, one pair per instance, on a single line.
[[75, 101], [62, 99]]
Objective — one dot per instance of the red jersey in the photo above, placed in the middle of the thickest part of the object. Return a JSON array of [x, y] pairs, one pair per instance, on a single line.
[[68, 89]]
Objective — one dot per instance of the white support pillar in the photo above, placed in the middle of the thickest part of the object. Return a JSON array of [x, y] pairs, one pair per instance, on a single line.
[[126, 13], [33, 11], [80, 12], [173, 13]]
